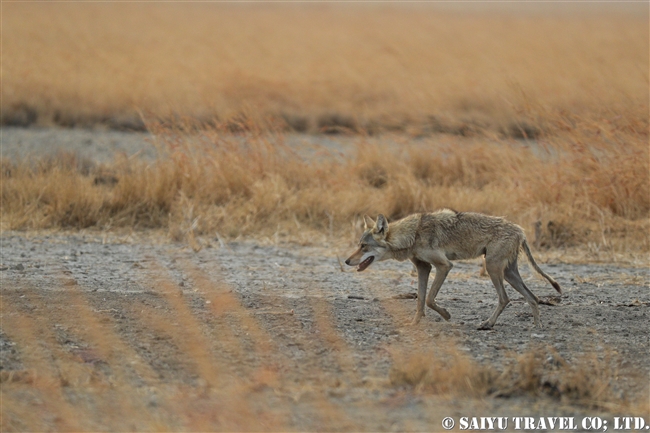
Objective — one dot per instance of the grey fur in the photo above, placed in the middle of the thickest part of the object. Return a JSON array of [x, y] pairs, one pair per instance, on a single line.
[[435, 239]]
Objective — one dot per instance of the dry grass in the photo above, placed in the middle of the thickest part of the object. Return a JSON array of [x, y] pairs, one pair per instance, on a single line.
[[588, 380], [447, 371], [419, 69], [587, 186]]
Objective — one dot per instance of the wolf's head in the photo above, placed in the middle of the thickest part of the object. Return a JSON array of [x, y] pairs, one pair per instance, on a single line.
[[372, 245]]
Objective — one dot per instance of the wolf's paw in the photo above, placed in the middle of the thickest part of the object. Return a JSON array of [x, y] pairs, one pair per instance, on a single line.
[[549, 300], [485, 326], [416, 319], [444, 313], [440, 310]]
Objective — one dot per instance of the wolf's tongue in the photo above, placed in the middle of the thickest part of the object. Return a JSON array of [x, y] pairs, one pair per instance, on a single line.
[[363, 265]]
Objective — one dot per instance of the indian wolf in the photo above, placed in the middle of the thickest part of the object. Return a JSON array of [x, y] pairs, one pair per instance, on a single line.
[[436, 238]]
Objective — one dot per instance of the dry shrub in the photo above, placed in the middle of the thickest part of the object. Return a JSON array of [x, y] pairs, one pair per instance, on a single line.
[[447, 371], [587, 185], [588, 380]]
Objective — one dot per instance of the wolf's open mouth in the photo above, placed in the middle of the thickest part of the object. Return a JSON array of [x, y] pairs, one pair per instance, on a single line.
[[363, 265]]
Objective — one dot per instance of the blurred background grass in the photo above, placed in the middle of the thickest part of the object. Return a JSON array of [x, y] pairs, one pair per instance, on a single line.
[[370, 67]]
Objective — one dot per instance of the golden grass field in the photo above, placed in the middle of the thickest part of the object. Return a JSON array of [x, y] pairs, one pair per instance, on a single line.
[[362, 67]]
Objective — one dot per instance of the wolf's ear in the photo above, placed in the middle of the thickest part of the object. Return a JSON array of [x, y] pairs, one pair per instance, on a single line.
[[368, 222], [381, 227]]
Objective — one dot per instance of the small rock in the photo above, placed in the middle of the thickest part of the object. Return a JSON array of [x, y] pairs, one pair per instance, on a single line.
[[19, 267]]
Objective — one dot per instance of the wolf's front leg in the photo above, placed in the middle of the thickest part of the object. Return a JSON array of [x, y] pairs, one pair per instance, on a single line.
[[424, 269], [443, 266]]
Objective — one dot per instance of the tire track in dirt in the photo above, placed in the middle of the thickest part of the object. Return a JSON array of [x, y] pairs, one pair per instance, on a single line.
[[157, 314], [239, 332], [329, 336], [142, 324], [187, 334], [324, 353], [186, 330], [95, 343], [29, 321], [188, 382], [95, 329], [268, 348], [314, 370]]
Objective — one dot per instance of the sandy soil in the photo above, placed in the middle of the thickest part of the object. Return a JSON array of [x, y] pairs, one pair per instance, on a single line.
[[103, 145], [327, 335]]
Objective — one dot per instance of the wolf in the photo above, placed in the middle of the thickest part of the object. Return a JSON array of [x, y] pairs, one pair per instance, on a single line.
[[437, 238]]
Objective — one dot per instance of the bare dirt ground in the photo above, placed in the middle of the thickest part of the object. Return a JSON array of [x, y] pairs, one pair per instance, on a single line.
[[306, 346]]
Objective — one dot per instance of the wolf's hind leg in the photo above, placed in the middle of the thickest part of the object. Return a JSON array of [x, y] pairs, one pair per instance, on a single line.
[[514, 279], [495, 270]]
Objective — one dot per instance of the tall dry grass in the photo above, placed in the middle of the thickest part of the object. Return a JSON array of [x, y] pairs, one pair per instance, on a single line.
[[419, 69], [587, 186]]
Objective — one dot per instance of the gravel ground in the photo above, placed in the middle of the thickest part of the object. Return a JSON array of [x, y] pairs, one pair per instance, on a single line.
[[330, 334], [102, 146]]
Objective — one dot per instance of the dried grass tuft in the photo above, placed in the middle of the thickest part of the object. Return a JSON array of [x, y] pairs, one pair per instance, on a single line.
[[589, 380], [587, 186]]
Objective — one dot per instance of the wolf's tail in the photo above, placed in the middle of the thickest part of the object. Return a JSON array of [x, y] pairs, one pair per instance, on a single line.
[[542, 273]]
